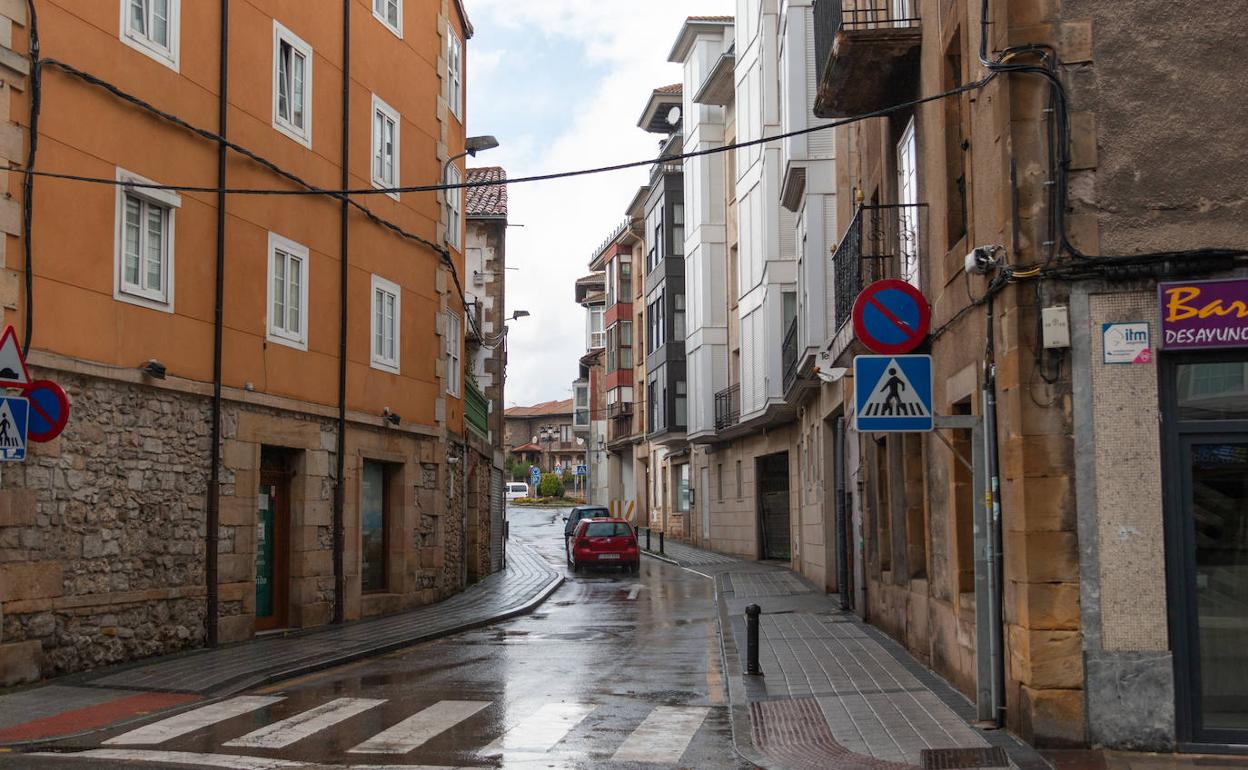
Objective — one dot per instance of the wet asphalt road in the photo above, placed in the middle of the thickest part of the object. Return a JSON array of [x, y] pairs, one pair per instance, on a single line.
[[613, 671]]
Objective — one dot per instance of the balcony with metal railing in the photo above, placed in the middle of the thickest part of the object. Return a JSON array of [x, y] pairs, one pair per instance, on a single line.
[[867, 54], [728, 407], [880, 242]]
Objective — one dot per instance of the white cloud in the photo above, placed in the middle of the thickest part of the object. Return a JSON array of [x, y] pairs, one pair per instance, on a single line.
[[565, 220]]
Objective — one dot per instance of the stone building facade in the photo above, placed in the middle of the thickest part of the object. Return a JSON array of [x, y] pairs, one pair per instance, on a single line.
[[348, 484]]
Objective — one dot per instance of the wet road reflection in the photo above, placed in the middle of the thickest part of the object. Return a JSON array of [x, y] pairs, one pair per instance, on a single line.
[[614, 670]]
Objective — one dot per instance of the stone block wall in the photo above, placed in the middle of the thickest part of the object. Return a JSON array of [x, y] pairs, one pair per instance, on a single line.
[[102, 540]]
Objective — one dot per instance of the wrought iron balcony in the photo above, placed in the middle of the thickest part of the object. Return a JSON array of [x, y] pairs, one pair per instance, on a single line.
[[866, 54], [728, 407], [881, 242], [788, 359]]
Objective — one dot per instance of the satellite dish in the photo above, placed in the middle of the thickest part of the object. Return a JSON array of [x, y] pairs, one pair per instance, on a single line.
[[533, 440], [673, 116], [580, 441]]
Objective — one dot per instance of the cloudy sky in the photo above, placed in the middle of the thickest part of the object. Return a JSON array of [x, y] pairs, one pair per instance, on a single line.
[[562, 83]]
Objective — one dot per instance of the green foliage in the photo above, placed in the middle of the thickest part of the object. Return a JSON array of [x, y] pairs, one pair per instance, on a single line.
[[517, 470], [551, 486]]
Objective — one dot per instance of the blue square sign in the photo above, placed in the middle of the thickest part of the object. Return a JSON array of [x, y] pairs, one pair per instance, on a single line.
[[14, 420], [893, 394]]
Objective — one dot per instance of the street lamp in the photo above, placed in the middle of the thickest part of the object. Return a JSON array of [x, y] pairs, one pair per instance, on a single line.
[[472, 145], [516, 316]]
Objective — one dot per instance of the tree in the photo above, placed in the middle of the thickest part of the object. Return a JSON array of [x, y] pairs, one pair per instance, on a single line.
[[517, 470], [551, 486]]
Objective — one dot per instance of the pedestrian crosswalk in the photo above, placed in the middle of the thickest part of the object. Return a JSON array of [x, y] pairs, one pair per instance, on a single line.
[[662, 737]]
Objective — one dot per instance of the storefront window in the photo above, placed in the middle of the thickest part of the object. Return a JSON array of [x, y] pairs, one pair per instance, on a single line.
[[1213, 391], [373, 528]]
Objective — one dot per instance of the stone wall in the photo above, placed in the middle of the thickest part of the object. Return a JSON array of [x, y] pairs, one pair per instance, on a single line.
[[102, 547], [102, 536]]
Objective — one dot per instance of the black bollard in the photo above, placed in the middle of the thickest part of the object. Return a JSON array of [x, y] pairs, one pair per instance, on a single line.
[[661, 542], [648, 538], [751, 640]]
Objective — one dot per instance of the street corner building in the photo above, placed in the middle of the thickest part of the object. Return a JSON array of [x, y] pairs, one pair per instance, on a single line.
[[286, 406], [1060, 183]]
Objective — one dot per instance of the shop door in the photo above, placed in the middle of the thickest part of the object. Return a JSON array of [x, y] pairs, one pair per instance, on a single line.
[[1208, 525], [773, 506], [272, 551]]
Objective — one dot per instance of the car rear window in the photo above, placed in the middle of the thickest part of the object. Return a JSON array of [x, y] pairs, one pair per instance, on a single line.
[[592, 513], [607, 529]]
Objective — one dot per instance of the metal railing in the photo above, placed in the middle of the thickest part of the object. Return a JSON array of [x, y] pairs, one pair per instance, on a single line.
[[831, 16], [728, 407], [788, 356], [879, 14], [881, 242]]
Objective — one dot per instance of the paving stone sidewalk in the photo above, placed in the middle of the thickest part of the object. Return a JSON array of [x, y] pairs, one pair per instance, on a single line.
[[835, 692], [526, 582]]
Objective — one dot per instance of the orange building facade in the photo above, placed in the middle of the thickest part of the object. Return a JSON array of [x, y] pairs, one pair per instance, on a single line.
[[182, 318]]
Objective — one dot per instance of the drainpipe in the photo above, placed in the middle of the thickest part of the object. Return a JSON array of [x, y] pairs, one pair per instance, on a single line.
[[340, 537], [213, 521], [992, 498], [842, 517]]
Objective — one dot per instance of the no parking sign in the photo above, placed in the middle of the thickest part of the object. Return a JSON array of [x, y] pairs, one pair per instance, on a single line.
[[49, 410]]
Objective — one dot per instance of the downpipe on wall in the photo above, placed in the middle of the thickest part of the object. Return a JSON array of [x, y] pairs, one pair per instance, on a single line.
[[992, 500], [344, 214]]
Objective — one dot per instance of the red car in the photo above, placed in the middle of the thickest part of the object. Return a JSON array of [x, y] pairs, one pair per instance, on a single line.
[[605, 542]]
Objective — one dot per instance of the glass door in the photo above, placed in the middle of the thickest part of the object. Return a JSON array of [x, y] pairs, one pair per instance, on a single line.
[[1216, 490], [1206, 410]]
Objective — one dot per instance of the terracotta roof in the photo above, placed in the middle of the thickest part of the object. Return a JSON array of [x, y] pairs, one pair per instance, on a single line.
[[674, 88], [711, 18], [541, 410], [487, 201], [526, 448]]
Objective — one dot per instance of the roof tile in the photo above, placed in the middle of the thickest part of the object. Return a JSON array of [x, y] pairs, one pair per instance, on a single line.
[[487, 200]]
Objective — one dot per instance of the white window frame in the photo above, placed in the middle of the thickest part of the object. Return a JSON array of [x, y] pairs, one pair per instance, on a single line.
[[381, 109], [453, 336], [908, 198], [301, 134], [454, 73], [454, 206], [597, 329], [380, 14], [170, 202], [167, 55], [378, 359], [280, 334]]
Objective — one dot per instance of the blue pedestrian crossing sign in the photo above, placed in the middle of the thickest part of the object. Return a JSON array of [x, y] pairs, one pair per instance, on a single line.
[[14, 420], [893, 394]]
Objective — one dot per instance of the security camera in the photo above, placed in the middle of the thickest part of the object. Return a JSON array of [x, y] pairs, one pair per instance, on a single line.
[[982, 260]]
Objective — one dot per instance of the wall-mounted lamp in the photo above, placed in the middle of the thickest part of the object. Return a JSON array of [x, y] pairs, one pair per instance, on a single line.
[[834, 374], [391, 417], [154, 369]]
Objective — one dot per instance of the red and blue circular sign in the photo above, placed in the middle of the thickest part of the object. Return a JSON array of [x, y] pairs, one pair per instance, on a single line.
[[891, 317], [49, 410]]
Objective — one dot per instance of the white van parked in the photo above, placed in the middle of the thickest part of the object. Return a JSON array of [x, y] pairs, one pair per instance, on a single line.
[[516, 490]]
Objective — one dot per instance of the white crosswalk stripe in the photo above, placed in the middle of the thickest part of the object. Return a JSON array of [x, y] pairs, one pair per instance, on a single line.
[[190, 721], [418, 729], [663, 736], [542, 730], [289, 731], [226, 761]]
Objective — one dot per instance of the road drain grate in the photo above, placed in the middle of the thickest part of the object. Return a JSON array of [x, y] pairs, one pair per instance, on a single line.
[[949, 759]]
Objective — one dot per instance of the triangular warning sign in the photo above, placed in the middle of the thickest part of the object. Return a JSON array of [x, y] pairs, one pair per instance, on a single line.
[[894, 396], [12, 364]]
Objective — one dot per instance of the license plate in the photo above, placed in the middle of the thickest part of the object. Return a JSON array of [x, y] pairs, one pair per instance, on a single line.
[[608, 556]]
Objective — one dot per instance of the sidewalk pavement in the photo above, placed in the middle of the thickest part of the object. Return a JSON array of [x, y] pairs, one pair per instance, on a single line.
[[93, 700], [835, 692]]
